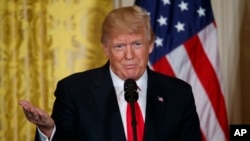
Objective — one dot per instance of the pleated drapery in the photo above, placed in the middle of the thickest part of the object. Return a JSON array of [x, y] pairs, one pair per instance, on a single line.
[[42, 41]]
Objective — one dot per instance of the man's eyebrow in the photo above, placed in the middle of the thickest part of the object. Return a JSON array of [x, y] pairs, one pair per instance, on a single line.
[[139, 40]]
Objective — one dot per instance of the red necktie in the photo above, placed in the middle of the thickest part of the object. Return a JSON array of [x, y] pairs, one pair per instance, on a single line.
[[139, 122]]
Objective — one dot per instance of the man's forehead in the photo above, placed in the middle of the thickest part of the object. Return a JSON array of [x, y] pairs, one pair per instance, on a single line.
[[131, 37]]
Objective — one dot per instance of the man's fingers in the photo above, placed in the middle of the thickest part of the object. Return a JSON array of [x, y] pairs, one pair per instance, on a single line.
[[36, 115], [24, 103]]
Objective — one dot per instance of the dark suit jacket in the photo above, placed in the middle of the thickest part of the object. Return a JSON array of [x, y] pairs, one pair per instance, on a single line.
[[86, 109]]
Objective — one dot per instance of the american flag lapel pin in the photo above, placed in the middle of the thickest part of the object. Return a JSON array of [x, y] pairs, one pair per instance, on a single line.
[[160, 99]]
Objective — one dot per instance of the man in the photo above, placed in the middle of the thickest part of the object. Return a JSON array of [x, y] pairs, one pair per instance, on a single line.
[[90, 105]]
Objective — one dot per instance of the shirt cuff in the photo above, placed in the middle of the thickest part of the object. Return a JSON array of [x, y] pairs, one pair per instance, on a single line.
[[43, 137]]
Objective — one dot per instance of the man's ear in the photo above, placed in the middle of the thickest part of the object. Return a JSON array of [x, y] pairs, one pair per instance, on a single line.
[[105, 48], [151, 47]]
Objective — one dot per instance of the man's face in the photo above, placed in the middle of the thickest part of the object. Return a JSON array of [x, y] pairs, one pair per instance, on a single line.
[[128, 54]]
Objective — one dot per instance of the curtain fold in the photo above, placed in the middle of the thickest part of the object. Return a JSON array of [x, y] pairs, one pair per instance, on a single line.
[[40, 43], [229, 15]]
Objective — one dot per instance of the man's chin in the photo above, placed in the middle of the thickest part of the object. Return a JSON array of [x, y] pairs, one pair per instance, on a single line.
[[132, 76]]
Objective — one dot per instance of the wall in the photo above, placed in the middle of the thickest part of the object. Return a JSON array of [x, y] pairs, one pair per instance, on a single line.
[[245, 63]]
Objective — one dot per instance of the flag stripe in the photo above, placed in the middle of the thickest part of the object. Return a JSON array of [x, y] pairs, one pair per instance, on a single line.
[[203, 105], [164, 67], [203, 138], [208, 38], [203, 67]]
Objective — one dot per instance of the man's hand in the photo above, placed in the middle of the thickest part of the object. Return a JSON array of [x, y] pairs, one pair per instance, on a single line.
[[38, 117]]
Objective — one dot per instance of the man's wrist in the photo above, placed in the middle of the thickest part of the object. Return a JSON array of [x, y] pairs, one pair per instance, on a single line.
[[46, 130]]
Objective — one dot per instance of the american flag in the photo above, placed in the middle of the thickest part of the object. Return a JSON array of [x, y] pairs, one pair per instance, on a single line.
[[186, 47]]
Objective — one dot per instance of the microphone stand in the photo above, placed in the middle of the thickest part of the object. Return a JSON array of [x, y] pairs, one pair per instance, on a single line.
[[132, 104]]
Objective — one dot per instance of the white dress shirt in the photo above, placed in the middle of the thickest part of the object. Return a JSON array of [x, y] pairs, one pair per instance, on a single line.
[[119, 89]]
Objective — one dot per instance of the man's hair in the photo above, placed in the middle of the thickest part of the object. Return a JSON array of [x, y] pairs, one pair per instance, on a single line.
[[131, 19]]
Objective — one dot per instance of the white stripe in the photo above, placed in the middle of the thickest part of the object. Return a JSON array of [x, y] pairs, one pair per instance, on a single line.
[[183, 69], [208, 38]]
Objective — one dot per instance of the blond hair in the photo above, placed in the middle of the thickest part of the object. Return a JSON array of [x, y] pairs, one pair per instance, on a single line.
[[129, 19]]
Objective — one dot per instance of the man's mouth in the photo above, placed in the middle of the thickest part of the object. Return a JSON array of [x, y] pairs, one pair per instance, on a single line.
[[130, 66]]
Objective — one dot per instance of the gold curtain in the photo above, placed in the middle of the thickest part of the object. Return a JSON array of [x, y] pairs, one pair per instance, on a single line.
[[42, 41]]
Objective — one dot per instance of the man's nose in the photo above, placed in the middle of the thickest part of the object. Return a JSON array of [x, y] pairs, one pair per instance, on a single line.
[[129, 52]]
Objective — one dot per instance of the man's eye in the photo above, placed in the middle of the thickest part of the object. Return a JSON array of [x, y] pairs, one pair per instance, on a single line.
[[118, 47], [137, 44]]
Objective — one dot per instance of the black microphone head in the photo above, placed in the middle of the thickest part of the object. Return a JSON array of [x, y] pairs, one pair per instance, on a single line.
[[130, 84], [130, 88]]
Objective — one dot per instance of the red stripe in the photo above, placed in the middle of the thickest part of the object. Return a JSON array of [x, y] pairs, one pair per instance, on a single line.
[[208, 79], [203, 136], [163, 66]]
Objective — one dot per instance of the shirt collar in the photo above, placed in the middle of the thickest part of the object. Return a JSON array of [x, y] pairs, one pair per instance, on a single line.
[[119, 83]]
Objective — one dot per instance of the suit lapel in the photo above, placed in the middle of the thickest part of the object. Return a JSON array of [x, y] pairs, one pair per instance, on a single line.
[[106, 101], [154, 110]]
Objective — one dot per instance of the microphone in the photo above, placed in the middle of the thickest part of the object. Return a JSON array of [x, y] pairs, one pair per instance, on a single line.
[[130, 88], [131, 96]]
